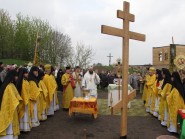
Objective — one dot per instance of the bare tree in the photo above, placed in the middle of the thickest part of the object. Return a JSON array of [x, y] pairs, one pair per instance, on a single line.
[[81, 56]]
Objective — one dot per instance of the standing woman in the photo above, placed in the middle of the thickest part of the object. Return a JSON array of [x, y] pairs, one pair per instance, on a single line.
[[166, 89], [9, 101], [175, 101], [34, 96], [23, 88]]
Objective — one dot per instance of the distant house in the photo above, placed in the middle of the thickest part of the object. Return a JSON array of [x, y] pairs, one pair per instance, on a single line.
[[165, 55]]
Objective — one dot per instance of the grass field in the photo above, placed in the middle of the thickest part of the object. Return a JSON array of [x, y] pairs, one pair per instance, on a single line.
[[14, 61]]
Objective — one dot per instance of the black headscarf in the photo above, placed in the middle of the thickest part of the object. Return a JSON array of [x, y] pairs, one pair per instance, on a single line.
[[167, 78], [160, 77], [41, 75], [31, 76], [22, 71], [10, 78], [178, 84]]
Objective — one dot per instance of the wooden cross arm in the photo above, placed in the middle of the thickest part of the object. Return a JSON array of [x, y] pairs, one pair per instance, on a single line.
[[112, 31], [121, 14], [132, 95], [136, 36], [120, 33], [119, 105]]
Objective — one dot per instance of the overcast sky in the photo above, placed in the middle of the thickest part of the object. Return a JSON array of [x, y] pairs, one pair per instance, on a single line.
[[159, 20]]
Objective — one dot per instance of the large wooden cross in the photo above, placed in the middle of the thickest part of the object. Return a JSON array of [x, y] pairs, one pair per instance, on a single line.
[[126, 35]]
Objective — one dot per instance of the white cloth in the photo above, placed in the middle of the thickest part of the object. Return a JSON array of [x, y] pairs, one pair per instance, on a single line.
[[56, 106], [51, 109], [34, 121], [90, 82], [113, 94], [9, 132], [172, 128], [156, 109], [164, 123], [24, 121], [77, 90]]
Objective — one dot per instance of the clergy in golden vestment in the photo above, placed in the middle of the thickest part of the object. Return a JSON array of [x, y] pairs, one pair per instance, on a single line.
[[34, 96], [154, 107], [9, 101], [43, 97], [23, 87], [149, 85], [55, 86], [78, 82], [157, 90], [175, 102], [68, 88], [51, 89], [166, 89], [145, 90]]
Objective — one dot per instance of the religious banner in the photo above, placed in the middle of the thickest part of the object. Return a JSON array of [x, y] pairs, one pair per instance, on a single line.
[[179, 61]]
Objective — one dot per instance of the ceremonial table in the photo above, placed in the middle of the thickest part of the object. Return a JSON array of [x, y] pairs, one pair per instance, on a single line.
[[181, 120], [83, 105], [113, 94]]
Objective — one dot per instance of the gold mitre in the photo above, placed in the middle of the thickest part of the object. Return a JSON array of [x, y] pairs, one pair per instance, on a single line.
[[152, 69], [47, 67]]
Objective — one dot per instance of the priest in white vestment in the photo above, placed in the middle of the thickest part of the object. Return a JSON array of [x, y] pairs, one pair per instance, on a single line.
[[90, 82]]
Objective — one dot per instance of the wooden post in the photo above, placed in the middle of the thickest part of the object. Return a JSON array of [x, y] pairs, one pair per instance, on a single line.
[[126, 35]]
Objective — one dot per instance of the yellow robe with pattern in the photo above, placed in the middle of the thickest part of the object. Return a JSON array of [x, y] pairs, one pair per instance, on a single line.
[[42, 98], [175, 102], [54, 84], [145, 90], [25, 94], [34, 97], [149, 84], [48, 81], [68, 91], [163, 103], [8, 111]]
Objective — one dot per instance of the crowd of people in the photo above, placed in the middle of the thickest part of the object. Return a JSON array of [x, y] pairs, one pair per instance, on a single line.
[[164, 95], [28, 94]]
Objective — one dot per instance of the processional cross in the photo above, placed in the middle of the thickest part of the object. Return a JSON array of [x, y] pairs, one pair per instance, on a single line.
[[36, 60], [110, 56], [126, 35]]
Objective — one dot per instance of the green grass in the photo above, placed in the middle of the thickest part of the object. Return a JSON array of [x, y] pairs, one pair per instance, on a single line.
[[14, 61]]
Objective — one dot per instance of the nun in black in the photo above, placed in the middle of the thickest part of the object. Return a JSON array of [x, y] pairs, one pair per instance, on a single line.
[[166, 89], [34, 96], [175, 101], [9, 102], [23, 87]]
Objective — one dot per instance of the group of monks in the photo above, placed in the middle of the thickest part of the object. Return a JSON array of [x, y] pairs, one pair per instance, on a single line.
[[164, 95], [26, 98]]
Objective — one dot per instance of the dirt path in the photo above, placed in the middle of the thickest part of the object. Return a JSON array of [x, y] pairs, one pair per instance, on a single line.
[[61, 126]]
